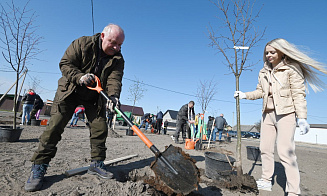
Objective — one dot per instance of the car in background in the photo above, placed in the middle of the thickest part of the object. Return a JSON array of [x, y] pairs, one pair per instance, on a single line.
[[232, 133], [255, 135], [246, 134]]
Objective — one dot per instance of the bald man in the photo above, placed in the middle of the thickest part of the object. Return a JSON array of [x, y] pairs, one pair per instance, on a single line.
[[86, 57]]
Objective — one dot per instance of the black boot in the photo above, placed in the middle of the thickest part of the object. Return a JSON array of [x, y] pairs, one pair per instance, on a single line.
[[98, 168], [36, 178], [176, 140]]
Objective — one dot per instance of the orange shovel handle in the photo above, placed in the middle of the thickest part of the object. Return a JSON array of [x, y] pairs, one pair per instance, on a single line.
[[138, 132], [98, 87], [142, 136]]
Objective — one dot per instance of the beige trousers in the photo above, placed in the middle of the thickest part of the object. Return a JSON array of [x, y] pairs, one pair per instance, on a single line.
[[282, 128]]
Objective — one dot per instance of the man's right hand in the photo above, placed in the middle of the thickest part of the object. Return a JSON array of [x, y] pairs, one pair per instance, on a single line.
[[88, 80]]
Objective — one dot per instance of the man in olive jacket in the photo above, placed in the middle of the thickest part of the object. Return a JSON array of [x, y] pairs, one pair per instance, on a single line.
[[86, 57]]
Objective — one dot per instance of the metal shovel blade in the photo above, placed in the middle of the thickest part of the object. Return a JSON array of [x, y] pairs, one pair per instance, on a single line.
[[186, 180]]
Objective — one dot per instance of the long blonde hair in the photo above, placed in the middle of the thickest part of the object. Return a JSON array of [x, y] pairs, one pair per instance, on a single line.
[[306, 63]]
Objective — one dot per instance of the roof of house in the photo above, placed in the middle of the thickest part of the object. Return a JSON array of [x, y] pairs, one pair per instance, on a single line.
[[138, 111], [250, 128], [324, 126], [172, 113]]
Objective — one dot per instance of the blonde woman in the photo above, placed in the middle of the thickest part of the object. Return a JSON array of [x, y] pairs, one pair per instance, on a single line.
[[281, 85]]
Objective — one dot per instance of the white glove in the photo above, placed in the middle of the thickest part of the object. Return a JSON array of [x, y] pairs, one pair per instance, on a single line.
[[303, 125], [240, 94]]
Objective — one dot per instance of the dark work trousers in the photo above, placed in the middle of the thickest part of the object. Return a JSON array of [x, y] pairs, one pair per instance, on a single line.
[[33, 112], [61, 113], [165, 130], [159, 123], [182, 126], [188, 129]]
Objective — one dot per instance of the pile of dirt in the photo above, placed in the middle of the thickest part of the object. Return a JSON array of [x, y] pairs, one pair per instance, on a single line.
[[113, 134], [244, 183]]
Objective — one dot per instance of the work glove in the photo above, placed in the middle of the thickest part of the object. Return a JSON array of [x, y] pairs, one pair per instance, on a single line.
[[303, 125], [240, 94], [88, 80], [112, 102]]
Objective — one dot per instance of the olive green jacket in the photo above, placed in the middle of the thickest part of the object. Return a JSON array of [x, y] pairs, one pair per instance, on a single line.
[[287, 87], [81, 58]]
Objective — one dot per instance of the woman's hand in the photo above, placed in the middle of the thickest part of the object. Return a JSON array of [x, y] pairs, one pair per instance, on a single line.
[[240, 94], [303, 125]]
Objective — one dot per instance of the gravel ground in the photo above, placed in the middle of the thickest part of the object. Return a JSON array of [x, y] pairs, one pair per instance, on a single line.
[[74, 152]]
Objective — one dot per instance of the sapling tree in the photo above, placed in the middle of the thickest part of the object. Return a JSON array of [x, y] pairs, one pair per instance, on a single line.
[[19, 40], [234, 37]]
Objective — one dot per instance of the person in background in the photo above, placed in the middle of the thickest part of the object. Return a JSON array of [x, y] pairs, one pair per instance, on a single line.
[[159, 121], [281, 85], [165, 126], [37, 107], [196, 124], [153, 123], [147, 120], [209, 127], [86, 57], [78, 111], [220, 124], [185, 115], [28, 103]]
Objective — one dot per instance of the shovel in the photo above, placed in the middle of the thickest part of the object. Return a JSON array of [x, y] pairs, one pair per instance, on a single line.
[[198, 145], [172, 166], [212, 127]]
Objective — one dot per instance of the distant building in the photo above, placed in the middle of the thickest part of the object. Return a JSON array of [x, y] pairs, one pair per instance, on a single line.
[[7, 102], [171, 116], [247, 128], [316, 135], [137, 111]]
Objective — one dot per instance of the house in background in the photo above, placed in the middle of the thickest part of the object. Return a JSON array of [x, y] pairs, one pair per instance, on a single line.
[[7, 102], [171, 116], [316, 135], [137, 111], [247, 128]]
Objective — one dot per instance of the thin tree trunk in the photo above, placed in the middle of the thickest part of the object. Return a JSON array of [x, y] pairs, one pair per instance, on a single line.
[[238, 146], [15, 100]]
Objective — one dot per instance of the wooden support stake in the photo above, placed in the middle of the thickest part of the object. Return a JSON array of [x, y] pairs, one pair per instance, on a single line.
[[72, 172]]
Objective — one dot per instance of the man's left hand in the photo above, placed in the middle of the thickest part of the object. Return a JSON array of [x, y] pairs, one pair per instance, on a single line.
[[113, 101]]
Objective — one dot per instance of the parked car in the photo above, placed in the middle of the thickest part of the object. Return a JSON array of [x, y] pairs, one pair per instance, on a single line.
[[255, 135], [232, 133], [246, 134]]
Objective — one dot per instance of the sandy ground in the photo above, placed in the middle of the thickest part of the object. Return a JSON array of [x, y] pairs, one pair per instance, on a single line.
[[74, 152]]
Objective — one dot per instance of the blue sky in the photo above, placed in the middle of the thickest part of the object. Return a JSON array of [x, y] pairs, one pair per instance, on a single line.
[[167, 46]]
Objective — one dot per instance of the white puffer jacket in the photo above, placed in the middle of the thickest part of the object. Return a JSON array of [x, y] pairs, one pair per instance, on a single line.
[[288, 88]]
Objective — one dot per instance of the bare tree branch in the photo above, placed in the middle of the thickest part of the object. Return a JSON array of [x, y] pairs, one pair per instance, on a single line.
[[205, 93], [19, 39], [136, 92]]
